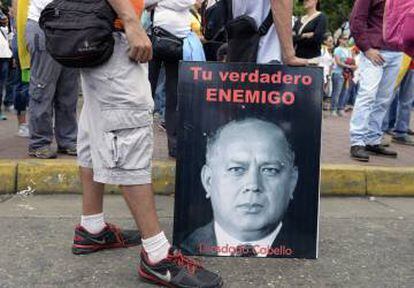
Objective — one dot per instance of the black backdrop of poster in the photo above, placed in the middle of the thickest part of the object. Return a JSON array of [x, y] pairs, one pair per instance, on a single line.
[[294, 105]]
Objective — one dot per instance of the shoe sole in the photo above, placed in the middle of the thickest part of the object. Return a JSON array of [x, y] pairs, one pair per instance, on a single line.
[[382, 155], [402, 143], [41, 157], [154, 280], [86, 249], [360, 159]]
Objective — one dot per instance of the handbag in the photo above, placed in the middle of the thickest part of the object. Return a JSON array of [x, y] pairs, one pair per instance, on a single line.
[[244, 37], [166, 46]]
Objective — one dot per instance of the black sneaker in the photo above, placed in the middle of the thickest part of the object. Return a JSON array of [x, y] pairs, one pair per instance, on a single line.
[[71, 151], [379, 150], [410, 132], [359, 153], [110, 237], [177, 270]]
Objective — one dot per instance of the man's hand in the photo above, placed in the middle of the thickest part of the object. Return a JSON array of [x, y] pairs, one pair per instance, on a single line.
[[140, 47], [375, 57], [295, 61]]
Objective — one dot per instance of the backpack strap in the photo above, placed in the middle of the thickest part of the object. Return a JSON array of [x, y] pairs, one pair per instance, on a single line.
[[267, 23]]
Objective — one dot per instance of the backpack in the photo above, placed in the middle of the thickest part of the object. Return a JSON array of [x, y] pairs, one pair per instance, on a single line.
[[398, 20], [79, 32]]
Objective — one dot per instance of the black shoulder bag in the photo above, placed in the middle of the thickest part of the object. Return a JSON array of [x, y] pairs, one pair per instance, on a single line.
[[79, 32], [165, 45], [244, 37]]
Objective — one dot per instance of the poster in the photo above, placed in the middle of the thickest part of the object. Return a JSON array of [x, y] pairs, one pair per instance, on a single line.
[[248, 165]]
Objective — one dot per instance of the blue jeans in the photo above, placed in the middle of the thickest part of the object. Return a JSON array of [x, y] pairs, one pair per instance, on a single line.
[[405, 102], [374, 98], [389, 121], [4, 72], [340, 92], [159, 98]]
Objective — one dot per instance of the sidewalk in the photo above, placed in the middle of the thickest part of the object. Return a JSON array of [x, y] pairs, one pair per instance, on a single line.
[[335, 144], [364, 243], [340, 174]]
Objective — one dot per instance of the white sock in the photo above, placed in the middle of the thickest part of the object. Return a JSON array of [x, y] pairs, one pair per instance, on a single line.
[[156, 247], [93, 223]]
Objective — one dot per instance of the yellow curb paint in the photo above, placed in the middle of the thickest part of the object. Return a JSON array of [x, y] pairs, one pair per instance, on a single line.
[[48, 176], [343, 180], [390, 181], [61, 176], [8, 171]]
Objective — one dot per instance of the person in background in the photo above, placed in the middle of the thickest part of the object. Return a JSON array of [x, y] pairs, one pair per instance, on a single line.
[[341, 76], [379, 70], [401, 110], [21, 90], [174, 16], [53, 95], [309, 31], [5, 58], [327, 61]]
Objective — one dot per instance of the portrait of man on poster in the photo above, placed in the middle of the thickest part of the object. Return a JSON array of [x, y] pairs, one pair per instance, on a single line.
[[250, 177]]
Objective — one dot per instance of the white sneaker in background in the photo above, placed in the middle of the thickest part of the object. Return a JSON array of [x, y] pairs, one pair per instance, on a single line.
[[23, 131]]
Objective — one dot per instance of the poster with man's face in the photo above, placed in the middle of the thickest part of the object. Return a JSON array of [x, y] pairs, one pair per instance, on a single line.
[[248, 160]]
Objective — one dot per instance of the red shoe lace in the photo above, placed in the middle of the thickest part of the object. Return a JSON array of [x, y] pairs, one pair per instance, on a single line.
[[117, 232], [181, 260]]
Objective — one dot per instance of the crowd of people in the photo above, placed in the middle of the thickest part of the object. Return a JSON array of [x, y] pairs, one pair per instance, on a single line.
[[113, 139]]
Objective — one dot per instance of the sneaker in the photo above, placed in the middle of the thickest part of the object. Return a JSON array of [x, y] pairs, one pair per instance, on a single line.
[[9, 108], [177, 270], [380, 150], [43, 153], [71, 151], [410, 132], [404, 140], [2, 116], [23, 131], [109, 238], [359, 153]]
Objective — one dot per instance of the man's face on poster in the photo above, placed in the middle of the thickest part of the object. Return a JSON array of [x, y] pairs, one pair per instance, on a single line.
[[250, 178]]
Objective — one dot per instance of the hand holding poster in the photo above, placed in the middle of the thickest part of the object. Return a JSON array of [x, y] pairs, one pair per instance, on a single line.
[[248, 160]]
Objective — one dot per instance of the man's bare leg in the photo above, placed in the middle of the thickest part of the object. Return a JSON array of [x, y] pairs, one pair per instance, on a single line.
[[92, 199], [141, 203]]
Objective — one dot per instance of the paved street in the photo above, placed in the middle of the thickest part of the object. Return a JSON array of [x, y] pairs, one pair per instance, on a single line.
[[335, 144], [363, 243]]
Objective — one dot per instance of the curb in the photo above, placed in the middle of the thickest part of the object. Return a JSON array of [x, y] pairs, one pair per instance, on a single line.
[[61, 176]]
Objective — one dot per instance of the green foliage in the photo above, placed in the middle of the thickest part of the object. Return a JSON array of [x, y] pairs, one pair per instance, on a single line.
[[337, 11]]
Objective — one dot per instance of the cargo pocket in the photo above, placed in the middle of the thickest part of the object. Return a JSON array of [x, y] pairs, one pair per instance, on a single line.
[[127, 138], [37, 90]]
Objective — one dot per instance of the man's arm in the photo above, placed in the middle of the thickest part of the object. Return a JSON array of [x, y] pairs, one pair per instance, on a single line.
[[282, 17], [358, 25], [140, 48]]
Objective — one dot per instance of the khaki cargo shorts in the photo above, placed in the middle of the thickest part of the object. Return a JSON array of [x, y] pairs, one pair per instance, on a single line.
[[115, 136]]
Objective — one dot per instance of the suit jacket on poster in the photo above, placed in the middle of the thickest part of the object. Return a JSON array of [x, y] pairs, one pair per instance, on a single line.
[[206, 236]]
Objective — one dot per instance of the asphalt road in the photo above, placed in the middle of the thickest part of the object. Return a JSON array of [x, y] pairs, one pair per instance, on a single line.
[[364, 242]]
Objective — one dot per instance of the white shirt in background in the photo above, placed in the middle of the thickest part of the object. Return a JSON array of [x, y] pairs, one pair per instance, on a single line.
[[174, 16], [269, 46], [36, 7]]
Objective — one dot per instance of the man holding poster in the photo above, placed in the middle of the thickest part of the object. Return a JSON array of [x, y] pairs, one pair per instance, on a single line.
[[250, 177]]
